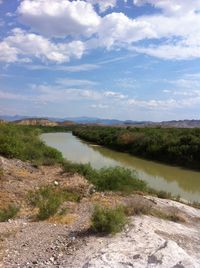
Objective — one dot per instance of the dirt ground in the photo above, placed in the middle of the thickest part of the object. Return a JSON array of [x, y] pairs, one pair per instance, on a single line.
[[66, 240]]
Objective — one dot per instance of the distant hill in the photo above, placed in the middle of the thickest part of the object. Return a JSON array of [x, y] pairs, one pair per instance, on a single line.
[[35, 121], [66, 121]]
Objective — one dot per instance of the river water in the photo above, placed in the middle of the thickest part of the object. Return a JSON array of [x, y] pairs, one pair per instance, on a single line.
[[176, 180]]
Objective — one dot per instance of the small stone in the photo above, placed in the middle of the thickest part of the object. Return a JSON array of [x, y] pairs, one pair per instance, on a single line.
[[52, 259]]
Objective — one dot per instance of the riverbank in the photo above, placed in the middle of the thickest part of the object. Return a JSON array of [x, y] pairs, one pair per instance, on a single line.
[[66, 240], [175, 146]]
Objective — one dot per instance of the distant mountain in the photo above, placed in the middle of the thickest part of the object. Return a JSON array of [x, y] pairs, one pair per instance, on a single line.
[[100, 121], [94, 120], [13, 117]]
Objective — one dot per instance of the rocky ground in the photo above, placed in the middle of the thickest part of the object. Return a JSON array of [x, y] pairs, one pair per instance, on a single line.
[[67, 242]]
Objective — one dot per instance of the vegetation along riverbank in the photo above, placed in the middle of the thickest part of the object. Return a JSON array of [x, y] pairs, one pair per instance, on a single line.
[[170, 145]]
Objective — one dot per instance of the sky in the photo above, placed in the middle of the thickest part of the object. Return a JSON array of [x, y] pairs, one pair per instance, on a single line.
[[127, 59]]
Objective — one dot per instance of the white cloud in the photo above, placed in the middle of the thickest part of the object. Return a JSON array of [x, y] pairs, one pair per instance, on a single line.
[[172, 7], [104, 4], [172, 33], [99, 106], [113, 94], [75, 82], [116, 29], [4, 95], [171, 52], [59, 17], [69, 68], [21, 45], [59, 94], [168, 104]]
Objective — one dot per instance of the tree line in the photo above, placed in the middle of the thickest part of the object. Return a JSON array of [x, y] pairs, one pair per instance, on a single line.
[[176, 146]]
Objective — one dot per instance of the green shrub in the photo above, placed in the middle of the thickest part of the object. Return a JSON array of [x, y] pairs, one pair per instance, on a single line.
[[23, 142], [107, 179], [47, 200], [108, 220], [118, 179], [164, 195], [83, 169], [8, 213]]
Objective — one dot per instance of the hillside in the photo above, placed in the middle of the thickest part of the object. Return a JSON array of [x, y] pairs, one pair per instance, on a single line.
[[35, 121], [66, 240]]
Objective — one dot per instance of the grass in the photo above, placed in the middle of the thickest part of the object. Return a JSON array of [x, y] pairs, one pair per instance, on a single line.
[[108, 220], [48, 200], [8, 213]]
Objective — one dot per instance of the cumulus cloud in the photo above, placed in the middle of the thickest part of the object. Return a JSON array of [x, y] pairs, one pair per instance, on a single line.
[[117, 29], [171, 33], [59, 17], [20, 46]]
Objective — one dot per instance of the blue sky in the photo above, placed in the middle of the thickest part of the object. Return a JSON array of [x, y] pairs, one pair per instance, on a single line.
[[134, 59]]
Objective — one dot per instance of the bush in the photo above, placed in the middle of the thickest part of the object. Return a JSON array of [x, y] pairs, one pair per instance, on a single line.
[[83, 169], [108, 220], [164, 195], [8, 213], [119, 179], [107, 179], [47, 200]]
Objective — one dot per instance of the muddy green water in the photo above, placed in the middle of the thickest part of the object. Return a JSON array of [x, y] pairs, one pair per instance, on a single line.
[[178, 181]]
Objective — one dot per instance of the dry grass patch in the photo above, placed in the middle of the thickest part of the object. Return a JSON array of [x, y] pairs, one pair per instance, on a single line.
[[173, 214], [69, 218], [137, 207]]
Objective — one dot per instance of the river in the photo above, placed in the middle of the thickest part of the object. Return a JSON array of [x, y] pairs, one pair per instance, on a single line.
[[175, 180]]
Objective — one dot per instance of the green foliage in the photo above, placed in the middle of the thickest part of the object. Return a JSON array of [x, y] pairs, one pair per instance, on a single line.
[[83, 169], [108, 179], [164, 195], [174, 145], [48, 200], [118, 179], [108, 220], [23, 142], [8, 213]]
